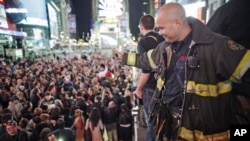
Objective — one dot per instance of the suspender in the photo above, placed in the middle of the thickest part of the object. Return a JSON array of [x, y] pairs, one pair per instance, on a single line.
[[153, 37]]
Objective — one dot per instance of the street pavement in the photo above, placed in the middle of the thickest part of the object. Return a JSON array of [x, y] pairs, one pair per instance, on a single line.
[[141, 134]]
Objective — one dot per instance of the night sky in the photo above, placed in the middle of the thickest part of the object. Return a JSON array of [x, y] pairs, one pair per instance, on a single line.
[[83, 12]]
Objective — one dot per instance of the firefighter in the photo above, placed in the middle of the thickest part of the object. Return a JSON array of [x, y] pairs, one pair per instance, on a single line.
[[196, 69]]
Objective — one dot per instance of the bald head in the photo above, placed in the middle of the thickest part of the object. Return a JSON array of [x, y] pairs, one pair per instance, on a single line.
[[172, 11], [171, 22]]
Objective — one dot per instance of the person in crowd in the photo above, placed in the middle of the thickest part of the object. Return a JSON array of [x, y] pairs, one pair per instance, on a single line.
[[97, 104], [102, 72], [68, 118], [92, 91], [21, 97], [15, 106], [23, 123], [196, 72], [47, 135], [128, 102], [117, 96], [105, 100], [121, 82], [55, 114], [36, 85], [47, 101], [32, 122], [125, 129], [67, 84], [27, 110], [18, 85], [5, 97], [95, 124], [6, 115], [63, 133], [78, 125], [110, 117], [81, 103], [13, 133], [36, 96], [44, 122], [52, 90], [147, 81]]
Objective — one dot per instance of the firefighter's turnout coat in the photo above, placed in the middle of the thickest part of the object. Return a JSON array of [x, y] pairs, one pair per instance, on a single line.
[[206, 106]]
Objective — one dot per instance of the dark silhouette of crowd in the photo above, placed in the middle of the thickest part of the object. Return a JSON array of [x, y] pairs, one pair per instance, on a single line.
[[51, 98]]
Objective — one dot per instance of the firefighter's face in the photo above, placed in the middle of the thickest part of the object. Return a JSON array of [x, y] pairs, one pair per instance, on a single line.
[[168, 27]]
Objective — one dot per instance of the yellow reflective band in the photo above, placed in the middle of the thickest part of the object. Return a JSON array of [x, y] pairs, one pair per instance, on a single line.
[[160, 83], [208, 89], [131, 59], [243, 66], [150, 60], [192, 135]]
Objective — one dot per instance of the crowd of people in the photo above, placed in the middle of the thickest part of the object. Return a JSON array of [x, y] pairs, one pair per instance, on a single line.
[[60, 97]]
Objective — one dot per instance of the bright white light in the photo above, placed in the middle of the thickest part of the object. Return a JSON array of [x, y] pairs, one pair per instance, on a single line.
[[35, 21], [192, 9], [110, 8], [16, 10], [11, 32]]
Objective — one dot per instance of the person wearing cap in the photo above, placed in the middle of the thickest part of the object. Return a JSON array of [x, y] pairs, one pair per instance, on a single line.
[[13, 133], [15, 106]]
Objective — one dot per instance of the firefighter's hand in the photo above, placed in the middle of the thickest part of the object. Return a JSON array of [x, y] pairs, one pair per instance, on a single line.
[[138, 93]]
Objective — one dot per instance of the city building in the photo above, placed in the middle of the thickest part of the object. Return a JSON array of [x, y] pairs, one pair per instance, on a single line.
[[25, 25]]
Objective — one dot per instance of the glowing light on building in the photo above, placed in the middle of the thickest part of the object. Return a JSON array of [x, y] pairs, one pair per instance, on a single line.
[[110, 8], [193, 9]]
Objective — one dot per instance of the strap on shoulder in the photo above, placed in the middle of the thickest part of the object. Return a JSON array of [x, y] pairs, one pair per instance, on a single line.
[[151, 36]]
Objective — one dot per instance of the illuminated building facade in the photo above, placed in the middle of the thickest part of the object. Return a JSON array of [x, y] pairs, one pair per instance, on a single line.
[[11, 13]]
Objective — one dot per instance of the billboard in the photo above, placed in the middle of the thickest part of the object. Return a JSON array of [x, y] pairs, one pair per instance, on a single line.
[[53, 22], [15, 11], [36, 12], [3, 19], [110, 8]]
